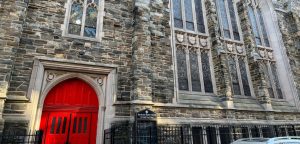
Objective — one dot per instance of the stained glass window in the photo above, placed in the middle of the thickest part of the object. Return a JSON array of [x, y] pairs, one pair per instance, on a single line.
[[244, 77], [199, 15], [206, 72], [189, 14], [234, 24], [83, 18], [263, 28], [227, 16], [258, 26], [234, 76], [268, 81], [182, 70], [276, 81], [185, 8], [75, 21], [90, 21], [194, 66], [224, 18], [254, 25], [177, 14]]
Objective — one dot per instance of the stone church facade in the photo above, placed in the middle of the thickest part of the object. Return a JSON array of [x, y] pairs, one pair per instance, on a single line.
[[192, 62]]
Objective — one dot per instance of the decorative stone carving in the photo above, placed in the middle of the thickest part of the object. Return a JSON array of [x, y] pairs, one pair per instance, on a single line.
[[229, 47], [203, 42], [270, 55], [100, 81], [262, 53], [50, 76], [180, 38], [239, 49], [192, 40]]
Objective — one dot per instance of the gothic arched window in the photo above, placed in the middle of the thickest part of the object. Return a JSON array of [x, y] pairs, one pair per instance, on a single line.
[[192, 47], [263, 45], [83, 19]]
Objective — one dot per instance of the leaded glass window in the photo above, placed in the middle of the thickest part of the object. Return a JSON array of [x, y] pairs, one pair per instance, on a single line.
[[189, 15], [182, 69], [192, 48], [208, 86], [195, 76], [83, 19], [254, 25], [244, 77], [276, 81], [257, 24], [177, 14], [234, 76], [193, 70], [228, 19], [235, 30], [268, 81]]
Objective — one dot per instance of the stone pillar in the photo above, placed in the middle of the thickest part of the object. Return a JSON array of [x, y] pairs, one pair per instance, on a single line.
[[255, 61], [221, 69], [12, 15], [141, 48]]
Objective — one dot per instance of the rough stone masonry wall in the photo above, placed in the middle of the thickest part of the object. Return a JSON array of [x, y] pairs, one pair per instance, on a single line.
[[288, 15], [42, 36], [152, 54], [12, 16]]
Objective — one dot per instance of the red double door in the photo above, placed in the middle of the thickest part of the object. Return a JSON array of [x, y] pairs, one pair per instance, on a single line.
[[69, 127], [70, 114]]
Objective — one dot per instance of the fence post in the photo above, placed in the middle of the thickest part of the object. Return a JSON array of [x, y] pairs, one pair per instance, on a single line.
[[294, 130], [39, 137]]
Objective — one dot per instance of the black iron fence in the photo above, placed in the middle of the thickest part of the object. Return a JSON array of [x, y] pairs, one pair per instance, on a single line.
[[187, 134], [17, 138]]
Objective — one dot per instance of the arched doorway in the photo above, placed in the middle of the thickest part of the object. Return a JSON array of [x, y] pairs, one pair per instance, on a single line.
[[70, 114]]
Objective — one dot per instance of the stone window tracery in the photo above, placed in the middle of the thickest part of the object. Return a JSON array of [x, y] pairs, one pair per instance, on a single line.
[[192, 49], [233, 47], [83, 19], [264, 49]]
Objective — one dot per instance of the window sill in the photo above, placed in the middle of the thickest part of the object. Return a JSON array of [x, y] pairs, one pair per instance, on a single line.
[[191, 32], [82, 38], [196, 93], [263, 47], [231, 40]]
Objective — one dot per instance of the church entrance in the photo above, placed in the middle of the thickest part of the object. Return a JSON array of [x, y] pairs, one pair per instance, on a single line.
[[70, 114]]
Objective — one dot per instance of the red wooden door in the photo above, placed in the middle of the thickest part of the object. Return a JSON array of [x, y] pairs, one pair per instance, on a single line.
[[70, 114], [80, 128], [57, 128]]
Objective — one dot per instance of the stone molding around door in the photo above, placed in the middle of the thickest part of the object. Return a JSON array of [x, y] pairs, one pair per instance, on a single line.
[[48, 72]]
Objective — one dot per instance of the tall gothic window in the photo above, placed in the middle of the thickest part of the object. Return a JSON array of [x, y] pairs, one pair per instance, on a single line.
[[193, 54], [263, 46], [231, 40], [188, 15], [257, 24], [83, 19], [228, 19]]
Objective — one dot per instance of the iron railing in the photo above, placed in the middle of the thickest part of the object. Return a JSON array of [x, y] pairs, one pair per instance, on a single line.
[[187, 134], [16, 138]]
